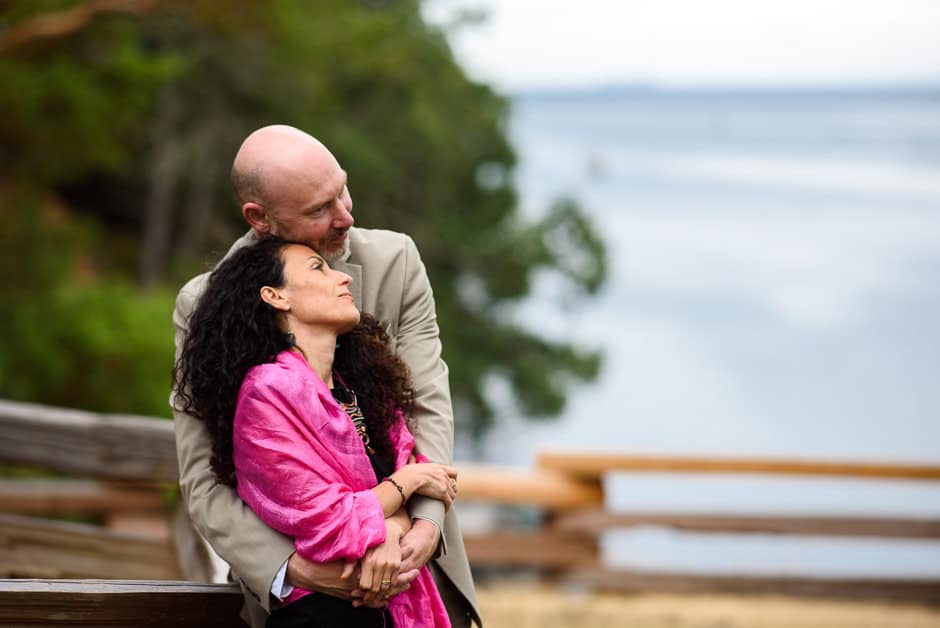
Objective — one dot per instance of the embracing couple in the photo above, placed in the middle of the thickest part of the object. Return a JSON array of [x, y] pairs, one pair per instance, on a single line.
[[312, 409]]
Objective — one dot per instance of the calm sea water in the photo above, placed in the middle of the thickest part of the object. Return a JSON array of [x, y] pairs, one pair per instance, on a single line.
[[774, 291]]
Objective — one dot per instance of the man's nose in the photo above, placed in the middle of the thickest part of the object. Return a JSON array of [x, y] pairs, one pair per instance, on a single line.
[[342, 215]]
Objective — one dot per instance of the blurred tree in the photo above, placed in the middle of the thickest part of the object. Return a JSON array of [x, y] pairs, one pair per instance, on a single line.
[[131, 117]]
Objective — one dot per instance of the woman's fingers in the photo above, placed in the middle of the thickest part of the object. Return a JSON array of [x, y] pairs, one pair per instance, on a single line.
[[388, 577], [365, 576], [381, 568], [348, 569], [437, 481]]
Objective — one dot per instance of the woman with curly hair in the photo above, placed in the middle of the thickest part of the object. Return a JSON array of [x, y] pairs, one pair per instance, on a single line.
[[305, 404]]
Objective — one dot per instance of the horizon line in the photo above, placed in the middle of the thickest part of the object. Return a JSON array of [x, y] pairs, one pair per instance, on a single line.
[[651, 87]]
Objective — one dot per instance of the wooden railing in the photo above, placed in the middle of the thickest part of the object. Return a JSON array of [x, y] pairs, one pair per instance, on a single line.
[[134, 561], [138, 536], [574, 517], [139, 532]]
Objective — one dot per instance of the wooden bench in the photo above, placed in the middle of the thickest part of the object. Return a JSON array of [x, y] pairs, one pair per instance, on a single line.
[[119, 603]]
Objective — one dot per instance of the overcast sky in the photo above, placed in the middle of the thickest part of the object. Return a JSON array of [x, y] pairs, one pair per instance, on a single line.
[[542, 43]]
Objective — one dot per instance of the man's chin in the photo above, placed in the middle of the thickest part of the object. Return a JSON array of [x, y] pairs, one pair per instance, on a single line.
[[338, 250]]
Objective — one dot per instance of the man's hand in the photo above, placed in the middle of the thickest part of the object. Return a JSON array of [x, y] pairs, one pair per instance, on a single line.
[[338, 578], [419, 544]]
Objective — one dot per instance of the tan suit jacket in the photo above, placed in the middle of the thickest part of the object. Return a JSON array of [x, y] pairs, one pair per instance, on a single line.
[[389, 282]]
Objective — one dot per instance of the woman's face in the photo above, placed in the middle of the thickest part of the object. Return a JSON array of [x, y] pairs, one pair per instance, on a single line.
[[317, 294]]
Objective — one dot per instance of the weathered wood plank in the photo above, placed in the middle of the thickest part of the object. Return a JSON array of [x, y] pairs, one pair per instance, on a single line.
[[898, 590], [594, 522], [61, 495], [544, 488], [118, 603], [141, 524], [544, 550], [32, 548], [593, 466], [102, 445]]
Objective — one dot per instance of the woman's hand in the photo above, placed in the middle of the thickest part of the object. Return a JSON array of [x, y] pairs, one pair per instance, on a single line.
[[380, 566], [437, 481]]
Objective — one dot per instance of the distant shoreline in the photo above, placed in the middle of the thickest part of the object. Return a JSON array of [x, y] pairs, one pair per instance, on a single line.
[[926, 91]]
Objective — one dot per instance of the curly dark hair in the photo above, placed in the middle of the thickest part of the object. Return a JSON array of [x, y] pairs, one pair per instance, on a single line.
[[232, 330]]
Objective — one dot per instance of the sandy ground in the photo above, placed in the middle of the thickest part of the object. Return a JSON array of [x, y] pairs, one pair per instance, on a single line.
[[513, 606]]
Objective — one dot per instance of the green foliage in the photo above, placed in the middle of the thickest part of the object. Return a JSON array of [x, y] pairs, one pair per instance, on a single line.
[[132, 121], [68, 113], [94, 342], [117, 356]]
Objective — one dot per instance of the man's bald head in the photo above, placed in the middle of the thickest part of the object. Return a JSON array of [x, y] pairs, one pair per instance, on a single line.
[[289, 184], [267, 157]]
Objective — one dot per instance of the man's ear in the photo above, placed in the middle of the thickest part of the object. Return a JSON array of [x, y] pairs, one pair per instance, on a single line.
[[257, 217], [275, 299]]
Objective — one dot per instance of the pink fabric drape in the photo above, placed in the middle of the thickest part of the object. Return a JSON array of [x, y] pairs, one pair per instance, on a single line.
[[303, 469]]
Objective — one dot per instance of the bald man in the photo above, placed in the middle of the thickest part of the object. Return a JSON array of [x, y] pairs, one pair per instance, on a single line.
[[288, 184]]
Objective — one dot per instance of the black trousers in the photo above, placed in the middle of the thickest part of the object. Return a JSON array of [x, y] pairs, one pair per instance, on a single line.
[[319, 610]]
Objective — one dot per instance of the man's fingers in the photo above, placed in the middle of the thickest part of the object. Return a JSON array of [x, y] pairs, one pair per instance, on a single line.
[[397, 588], [348, 570], [407, 577], [375, 603], [407, 564], [408, 557]]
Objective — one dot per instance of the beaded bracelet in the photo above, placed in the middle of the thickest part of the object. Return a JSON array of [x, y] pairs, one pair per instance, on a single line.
[[401, 491]]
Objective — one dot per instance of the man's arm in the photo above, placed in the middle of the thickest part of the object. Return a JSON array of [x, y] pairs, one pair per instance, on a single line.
[[254, 551], [419, 345]]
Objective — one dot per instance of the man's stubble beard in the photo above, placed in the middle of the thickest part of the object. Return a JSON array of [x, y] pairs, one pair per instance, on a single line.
[[334, 254]]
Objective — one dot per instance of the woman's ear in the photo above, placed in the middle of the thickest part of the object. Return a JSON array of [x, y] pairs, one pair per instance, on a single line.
[[275, 299]]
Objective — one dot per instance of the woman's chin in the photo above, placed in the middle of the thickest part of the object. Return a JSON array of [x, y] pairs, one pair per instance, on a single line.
[[349, 324]]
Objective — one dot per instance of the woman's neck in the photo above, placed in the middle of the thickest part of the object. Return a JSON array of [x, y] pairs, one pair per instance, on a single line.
[[318, 350]]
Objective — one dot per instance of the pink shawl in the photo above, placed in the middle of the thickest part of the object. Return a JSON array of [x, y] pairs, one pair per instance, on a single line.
[[303, 469]]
